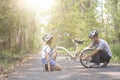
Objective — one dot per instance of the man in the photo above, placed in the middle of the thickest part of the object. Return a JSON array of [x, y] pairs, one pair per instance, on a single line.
[[102, 53]]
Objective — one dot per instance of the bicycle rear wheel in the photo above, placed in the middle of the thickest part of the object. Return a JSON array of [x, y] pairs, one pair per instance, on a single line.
[[86, 63]]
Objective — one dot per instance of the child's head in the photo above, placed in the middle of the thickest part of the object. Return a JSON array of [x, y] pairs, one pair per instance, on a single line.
[[48, 38]]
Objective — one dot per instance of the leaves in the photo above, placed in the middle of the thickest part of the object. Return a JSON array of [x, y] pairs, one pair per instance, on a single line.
[[18, 26], [22, 32]]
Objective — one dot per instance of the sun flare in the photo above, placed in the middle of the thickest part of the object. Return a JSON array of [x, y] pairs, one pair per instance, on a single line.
[[37, 5]]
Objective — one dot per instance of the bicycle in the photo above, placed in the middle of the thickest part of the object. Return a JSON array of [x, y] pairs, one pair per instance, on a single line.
[[86, 63]]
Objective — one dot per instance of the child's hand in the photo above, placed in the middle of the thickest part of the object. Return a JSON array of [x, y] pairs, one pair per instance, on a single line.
[[54, 51]]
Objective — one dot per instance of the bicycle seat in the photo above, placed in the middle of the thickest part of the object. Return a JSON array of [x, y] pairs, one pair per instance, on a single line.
[[79, 41]]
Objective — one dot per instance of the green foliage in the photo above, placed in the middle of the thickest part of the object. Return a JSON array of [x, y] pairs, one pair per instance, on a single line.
[[79, 17], [21, 32], [116, 53], [7, 59], [113, 18], [18, 30], [74, 17]]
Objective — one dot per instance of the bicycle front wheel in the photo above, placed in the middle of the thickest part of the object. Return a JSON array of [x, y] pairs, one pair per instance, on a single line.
[[86, 63]]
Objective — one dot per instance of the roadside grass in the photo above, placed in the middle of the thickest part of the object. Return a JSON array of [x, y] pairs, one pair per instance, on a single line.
[[116, 53], [8, 59]]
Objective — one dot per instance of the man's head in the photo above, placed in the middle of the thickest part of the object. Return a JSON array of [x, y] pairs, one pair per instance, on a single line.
[[94, 35]]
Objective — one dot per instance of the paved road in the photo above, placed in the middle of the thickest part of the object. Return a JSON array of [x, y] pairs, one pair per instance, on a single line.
[[33, 70]]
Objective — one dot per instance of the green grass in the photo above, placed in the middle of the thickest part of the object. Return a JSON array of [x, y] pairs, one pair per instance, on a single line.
[[7, 58], [10, 60], [116, 53]]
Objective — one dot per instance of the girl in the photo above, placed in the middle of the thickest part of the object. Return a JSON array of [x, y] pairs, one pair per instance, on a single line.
[[48, 55]]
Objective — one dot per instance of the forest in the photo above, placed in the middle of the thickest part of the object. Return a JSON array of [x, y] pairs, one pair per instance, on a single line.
[[23, 23]]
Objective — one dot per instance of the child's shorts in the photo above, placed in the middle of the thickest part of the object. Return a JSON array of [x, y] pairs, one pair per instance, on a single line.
[[52, 62]]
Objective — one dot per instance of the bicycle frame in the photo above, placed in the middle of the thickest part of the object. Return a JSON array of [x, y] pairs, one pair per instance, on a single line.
[[76, 52], [86, 63]]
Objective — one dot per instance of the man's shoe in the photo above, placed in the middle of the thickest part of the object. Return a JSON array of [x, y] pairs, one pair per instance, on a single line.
[[95, 66], [104, 65]]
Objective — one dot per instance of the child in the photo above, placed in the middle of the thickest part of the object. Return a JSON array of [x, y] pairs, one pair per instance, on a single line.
[[48, 55]]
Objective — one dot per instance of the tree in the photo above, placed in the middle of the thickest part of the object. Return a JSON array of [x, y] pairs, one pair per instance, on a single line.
[[74, 17], [113, 11]]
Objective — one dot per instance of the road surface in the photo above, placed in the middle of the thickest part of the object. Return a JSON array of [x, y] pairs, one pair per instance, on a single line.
[[72, 70]]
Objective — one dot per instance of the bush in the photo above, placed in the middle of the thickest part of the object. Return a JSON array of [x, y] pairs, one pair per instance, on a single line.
[[7, 57], [116, 53]]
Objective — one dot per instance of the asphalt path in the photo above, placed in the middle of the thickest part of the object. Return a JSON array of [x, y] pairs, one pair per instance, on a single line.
[[71, 70]]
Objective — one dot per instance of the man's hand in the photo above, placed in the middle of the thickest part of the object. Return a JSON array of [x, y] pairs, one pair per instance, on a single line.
[[85, 58]]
